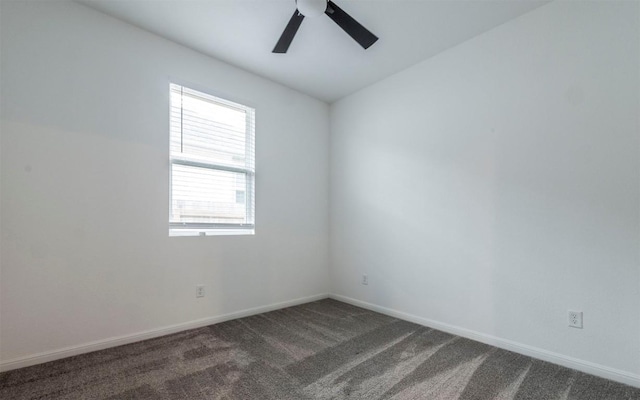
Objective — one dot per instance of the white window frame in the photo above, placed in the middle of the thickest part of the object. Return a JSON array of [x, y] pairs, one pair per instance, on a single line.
[[209, 229]]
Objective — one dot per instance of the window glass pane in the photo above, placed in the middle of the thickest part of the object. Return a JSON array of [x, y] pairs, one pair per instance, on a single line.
[[204, 130], [203, 195]]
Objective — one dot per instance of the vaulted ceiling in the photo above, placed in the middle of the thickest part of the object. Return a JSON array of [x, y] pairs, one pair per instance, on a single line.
[[323, 61]]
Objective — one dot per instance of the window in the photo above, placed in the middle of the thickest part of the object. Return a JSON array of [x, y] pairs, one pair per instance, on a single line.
[[212, 165]]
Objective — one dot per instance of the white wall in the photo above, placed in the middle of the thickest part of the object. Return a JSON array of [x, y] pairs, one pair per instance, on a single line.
[[85, 249], [497, 185]]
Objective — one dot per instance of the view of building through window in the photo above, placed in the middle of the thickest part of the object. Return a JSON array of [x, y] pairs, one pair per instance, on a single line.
[[212, 162]]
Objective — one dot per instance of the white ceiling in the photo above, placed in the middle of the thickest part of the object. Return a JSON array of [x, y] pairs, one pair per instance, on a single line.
[[323, 61]]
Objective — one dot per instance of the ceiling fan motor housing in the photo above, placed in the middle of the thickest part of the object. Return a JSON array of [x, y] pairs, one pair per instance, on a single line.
[[311, 8]]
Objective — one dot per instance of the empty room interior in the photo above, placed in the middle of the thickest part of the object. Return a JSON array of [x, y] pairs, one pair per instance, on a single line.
[[313, 199]]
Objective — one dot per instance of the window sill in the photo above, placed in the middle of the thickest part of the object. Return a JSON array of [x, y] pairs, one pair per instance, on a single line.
[[210, 232]]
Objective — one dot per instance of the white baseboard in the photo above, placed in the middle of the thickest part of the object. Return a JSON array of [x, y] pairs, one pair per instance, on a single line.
[[541, 354], [556, 358], [52, 355]]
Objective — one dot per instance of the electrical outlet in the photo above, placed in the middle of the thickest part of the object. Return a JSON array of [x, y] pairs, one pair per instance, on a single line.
[[199, 290], [575, 319], [365, 279]]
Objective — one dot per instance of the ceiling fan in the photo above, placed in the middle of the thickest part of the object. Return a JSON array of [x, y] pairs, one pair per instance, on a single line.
[[314, 8]]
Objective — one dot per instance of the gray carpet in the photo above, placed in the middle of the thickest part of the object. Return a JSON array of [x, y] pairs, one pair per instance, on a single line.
[[321, 350]]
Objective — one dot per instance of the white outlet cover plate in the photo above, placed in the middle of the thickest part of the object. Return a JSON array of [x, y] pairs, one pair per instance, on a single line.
[[575, 319]]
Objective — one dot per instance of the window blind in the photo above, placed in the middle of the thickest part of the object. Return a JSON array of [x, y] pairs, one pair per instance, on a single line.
[[212, 154]]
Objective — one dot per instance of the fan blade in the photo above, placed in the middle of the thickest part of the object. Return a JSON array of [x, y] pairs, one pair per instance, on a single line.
[[289, 32], [358, 32]]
